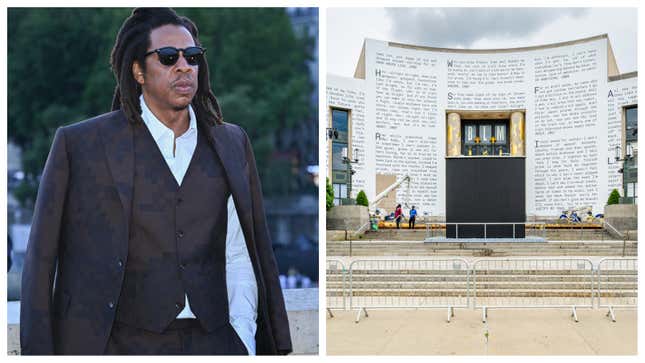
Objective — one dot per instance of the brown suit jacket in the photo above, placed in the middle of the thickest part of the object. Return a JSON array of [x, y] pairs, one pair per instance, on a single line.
[[80, 231]]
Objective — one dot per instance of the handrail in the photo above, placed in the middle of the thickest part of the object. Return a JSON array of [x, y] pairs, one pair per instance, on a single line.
[[348, 237], [620, 235], [361, 228], [384, 193]]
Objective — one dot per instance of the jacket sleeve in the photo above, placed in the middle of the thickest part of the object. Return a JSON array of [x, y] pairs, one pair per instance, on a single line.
[[36, 336], [275, 300]]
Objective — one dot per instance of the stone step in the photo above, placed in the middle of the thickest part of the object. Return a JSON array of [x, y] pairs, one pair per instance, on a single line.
[[467, 248], [397, 252], [422, 278], [403, 252], [421, 234], [345, 249], [420, 244], [480, 293], [423, 255], [359, 275], [367, 270], [456, 252], [526, 293], [363, 267], [485, 253], [377, 285], [485, 279], [479, 245], [584, 293]]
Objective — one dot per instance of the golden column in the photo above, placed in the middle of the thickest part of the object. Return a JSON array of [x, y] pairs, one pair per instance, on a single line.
[[517, 134], [454, 134]]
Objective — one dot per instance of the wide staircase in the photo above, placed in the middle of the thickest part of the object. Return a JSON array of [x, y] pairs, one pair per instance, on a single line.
[[396, 268]]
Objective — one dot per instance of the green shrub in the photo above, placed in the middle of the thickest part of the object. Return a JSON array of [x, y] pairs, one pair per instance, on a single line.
[[361, 199], [614, 197], [330, 195]]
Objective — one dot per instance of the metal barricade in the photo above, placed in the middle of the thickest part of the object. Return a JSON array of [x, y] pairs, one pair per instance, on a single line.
[[438, 283], [617, 284], [532, 283], [336, 290]]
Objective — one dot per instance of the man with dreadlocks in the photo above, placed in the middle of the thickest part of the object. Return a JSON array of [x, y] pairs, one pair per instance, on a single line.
[[149, 234]]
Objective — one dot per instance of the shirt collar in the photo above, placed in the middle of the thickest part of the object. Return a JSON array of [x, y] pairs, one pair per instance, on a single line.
[[157, 128]]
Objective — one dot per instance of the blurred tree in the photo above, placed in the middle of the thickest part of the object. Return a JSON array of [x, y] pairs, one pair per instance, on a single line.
[[58, 73]]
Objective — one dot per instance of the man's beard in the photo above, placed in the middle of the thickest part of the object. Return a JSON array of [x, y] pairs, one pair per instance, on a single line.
[[180, 108]]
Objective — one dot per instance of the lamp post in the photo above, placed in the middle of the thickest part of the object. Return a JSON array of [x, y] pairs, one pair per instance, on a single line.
[[628, 155], [347, 161]]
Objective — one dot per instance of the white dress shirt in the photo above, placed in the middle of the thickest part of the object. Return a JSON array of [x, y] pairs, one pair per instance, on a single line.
[[240, 279]]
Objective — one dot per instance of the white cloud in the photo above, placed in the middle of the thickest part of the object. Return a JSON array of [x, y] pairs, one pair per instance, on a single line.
[[477, 28], [461, 27]]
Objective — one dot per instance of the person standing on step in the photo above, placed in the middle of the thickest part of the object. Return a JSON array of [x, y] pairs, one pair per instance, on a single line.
[[398, 215], [413, 216]]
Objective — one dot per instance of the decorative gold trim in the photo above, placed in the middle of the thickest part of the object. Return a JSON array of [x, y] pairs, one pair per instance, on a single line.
[[453, 139]]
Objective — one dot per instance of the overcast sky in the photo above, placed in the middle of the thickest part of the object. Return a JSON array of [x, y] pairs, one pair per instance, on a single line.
[[476, 28]]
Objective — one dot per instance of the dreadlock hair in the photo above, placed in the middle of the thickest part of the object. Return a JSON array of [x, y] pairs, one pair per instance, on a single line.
[[131, 44]]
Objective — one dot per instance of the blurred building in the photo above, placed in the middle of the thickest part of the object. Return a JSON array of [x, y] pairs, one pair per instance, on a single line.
[[293, 220]]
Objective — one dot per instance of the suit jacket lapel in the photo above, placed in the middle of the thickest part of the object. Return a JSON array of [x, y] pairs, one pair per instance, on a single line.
[[234, 163], [118, 139]]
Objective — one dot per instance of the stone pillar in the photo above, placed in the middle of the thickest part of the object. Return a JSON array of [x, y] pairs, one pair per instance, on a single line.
[[454, 134], [517, 134]]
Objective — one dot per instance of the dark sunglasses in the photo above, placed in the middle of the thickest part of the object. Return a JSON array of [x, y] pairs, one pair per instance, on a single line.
[[169, 55]]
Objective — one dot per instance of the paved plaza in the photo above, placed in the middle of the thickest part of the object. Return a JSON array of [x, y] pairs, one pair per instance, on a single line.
[[510, 332]]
